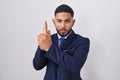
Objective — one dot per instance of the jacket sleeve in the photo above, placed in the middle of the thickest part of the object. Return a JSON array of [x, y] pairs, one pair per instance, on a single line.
[[72, 63], [39, 60]]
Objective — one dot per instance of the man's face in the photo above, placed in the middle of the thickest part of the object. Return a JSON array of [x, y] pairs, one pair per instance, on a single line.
[[63, 22]]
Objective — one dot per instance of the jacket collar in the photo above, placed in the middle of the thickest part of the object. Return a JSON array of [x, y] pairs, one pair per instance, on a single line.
[[68, 41]]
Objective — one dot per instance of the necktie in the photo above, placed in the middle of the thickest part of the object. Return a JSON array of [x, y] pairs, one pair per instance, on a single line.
[[62, 40]]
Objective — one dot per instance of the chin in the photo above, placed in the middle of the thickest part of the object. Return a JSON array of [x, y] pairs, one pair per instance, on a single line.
[[62, 35]]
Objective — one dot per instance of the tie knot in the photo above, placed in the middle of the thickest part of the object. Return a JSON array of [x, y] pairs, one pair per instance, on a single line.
[[62, 40]]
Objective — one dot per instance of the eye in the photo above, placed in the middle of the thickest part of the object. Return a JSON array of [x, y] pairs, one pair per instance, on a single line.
[[59, 21], [68, 21]]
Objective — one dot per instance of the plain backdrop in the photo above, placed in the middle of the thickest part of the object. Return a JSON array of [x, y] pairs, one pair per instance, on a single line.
[[22, 20]]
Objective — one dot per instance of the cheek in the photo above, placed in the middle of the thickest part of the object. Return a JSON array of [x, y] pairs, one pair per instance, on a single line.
[[68, 27], [57, 26]]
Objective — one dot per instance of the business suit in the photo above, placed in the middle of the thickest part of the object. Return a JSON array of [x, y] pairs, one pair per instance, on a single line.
[[64, 63]]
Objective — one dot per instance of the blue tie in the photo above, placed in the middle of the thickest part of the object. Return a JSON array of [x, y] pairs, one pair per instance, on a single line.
[[62, 40]]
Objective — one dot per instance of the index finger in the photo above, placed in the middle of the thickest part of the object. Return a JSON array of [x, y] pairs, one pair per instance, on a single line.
[[45, 27]]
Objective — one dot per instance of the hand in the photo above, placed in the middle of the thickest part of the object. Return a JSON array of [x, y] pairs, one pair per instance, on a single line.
[[44, 39]]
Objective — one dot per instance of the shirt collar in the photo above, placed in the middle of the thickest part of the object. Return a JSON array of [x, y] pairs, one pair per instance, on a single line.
[[64, 36]]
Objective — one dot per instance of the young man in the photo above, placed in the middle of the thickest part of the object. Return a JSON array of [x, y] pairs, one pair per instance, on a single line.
[[65, 52]]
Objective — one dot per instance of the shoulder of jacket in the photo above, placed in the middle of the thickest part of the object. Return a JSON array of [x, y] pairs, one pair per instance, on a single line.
[[81, 38], [55, 34]]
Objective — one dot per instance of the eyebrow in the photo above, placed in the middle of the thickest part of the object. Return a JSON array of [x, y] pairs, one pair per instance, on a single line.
[[65, 19]]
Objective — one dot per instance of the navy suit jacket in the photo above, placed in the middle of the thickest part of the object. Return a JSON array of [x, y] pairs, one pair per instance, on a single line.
[[64, 63]]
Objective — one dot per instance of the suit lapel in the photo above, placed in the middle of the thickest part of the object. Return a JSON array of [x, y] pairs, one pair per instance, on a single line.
[[69, 39], [55, 39]]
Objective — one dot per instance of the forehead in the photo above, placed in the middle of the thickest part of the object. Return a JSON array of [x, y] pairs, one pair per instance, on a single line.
[[63, 15]]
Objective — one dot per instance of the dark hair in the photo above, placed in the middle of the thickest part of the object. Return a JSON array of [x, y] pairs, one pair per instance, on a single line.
[[64, 8]]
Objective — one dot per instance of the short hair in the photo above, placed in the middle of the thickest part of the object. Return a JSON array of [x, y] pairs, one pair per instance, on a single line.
[[64, 8]]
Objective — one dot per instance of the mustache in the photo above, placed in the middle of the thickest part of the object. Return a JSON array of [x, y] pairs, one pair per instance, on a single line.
[[62, 29]]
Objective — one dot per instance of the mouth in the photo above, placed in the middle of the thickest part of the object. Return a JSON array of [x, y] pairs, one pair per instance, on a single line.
[[62, 30]]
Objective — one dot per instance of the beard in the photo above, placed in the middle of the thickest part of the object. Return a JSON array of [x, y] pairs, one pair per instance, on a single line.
[[63, 34]]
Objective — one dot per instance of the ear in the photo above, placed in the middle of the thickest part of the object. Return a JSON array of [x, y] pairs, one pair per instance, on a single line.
[[74, 21], [53, 20]]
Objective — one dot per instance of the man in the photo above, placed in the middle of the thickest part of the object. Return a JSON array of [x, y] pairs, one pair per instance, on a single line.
[[65, 52]]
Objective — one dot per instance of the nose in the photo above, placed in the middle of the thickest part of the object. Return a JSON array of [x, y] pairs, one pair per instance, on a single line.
[[63, 25]]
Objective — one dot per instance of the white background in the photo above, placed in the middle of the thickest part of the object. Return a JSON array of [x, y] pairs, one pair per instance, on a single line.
[[22, 20]]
